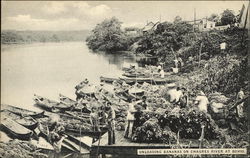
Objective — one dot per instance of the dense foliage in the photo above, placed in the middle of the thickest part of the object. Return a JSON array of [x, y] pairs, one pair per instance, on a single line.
[[227, 17], [162, 125], [167, 37], [219, 70], [107, 36]]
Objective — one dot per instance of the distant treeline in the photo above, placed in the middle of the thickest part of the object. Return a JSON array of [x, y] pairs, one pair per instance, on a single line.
[[11, 36]]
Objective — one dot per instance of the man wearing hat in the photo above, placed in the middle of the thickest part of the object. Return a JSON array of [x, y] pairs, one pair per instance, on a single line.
[[202, 101], [174, 94]]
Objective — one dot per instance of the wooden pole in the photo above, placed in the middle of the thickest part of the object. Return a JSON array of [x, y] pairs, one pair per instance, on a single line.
[[194, 20], [202, 136], [200, 54], [173, 53], [245, 23]]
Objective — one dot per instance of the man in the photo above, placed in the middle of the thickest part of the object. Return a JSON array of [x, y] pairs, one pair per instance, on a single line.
[[144, 103], [174, 94], [162, 73], [202, 101], [159, 68], [56, 136], [175, 63], [240, 108], [137, 117], [184, 99], [130, 119], [111, 124], [94, 119], [180, 63]]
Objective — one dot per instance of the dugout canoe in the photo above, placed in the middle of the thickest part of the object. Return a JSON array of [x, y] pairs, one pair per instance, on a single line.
[[15, 130], [51, 105], [134, 75], [76, 107], [111, 80], [142, 80], [22, 112], [26, 121], [66, 100]]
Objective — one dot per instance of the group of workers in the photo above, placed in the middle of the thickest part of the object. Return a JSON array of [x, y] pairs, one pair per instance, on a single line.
[[104, 116], [102, 113], [55, 134], [135, 109]]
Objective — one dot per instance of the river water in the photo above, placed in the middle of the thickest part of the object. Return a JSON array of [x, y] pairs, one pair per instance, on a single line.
[[48, 69]]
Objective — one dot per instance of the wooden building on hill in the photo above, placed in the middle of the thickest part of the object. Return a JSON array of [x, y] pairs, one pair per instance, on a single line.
[[202, 24], [150, 27]]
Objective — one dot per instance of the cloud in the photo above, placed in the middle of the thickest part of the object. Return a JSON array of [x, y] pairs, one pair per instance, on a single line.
[[99, 10], [76, 8], [58, 16], [54, 7], [25, 21], [61, 15], [24, 18]]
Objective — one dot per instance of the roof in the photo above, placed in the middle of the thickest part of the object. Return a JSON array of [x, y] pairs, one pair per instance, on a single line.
[[150, 26]]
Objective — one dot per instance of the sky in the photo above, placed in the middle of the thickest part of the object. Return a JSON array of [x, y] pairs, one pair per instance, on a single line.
[[81, 15]]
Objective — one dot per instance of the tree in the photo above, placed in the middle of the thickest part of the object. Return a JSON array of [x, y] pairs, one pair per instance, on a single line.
[[227, 17], [55, 38], [107, 36], [177, 19], [167, 37]]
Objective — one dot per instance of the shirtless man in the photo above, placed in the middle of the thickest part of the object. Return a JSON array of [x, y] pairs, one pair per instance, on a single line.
[[202, 101]]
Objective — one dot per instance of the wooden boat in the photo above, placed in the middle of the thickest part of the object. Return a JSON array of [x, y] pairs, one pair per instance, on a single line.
[[80, 115], [66, 100], [78, 141], [75, 147], [142, 80], [76, 107], [22, 112], [15, 130], [88, 89], [51, 105], [111, 80], [42, 144], [26, 121], [134, 75], [136, 91]]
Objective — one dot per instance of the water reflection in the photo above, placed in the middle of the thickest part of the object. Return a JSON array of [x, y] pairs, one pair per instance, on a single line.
[[48, 69], [118, 59]]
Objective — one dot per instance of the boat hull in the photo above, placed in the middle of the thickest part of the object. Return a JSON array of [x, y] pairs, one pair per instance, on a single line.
[[15, 130], [22, 112], [50, 105], [26, 121]]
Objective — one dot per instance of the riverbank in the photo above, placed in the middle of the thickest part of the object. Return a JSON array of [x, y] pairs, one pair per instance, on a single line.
[[160, 110]]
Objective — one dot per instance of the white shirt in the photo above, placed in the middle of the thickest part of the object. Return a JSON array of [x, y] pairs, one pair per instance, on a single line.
[[203, 101], [240, 107], [162, 73], [131, 108], [159, 67], [175, 95], [175, 70]]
